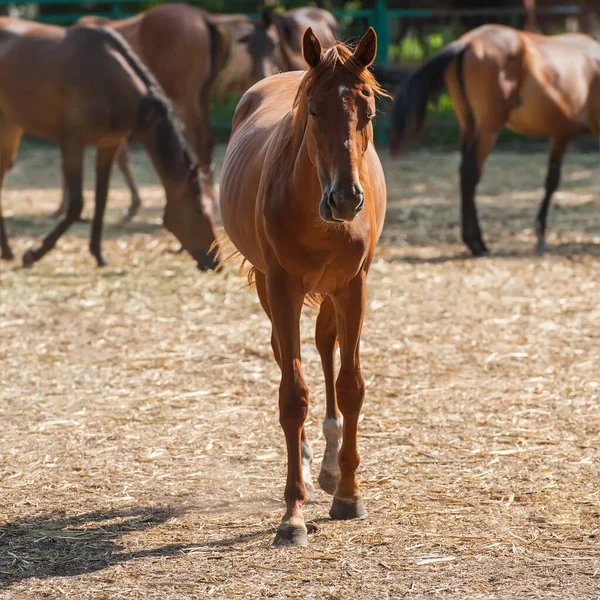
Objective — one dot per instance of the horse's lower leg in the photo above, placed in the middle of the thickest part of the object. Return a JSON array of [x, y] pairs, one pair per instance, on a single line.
[[285, 302], [72, 164], [306, 450], [326, 341], [470, 174], [10, 136], [104, 161], [6, 252], [558, 148], [475, 149], [124, 163], [62, 208], [350, 391]]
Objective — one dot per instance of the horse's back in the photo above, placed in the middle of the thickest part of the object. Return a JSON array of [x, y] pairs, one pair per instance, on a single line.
[[60, 80], [258, 114]]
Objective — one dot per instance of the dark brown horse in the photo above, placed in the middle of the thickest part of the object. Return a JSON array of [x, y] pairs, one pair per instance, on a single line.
[[185, 50], [499, 77], [84, 86], [303, 200]]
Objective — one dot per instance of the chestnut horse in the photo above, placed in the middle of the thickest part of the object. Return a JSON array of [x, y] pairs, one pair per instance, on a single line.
[[500, 77], [303, 200], [185, 51], [84, 86]]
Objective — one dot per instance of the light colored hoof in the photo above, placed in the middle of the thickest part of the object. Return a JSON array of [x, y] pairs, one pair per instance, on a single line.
[[343, 510], [328, 481], [291, 535]]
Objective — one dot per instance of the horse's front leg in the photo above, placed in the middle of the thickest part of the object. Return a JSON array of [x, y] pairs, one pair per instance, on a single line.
[[285, 302], [350, 391]]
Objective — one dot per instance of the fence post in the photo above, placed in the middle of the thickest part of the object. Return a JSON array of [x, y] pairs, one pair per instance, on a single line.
[[382, 27]]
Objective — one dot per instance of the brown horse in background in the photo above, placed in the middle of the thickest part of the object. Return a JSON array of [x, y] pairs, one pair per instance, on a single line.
[[271, 45], [303, 200], [500, 77], [84, 86], [185, 50], [290, 28]]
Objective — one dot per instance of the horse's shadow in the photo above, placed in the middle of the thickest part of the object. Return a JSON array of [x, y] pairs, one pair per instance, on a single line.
[[56, 545], [40, 225], [565, 250]]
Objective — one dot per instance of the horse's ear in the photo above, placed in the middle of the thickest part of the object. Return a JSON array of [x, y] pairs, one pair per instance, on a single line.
[[366, 51], [267, 17], [311, 48]]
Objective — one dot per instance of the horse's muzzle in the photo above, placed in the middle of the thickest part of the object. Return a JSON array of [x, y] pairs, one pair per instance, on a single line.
[[207, 261], [341, 205]]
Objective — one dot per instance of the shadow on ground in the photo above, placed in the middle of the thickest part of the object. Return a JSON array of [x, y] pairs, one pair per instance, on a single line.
[[65, 546]]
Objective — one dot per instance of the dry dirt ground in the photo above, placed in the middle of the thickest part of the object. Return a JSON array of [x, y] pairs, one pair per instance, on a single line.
[[140, 450]]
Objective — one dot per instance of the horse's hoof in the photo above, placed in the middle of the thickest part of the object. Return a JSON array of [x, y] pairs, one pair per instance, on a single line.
[[291, 535], [541, 248], [28, 258], [128, 217], [102, 262], [7, 254], [342, 510], [478, 249], [328, 481]]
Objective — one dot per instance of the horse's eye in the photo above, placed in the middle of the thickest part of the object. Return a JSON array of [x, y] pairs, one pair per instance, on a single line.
[[312, 113]]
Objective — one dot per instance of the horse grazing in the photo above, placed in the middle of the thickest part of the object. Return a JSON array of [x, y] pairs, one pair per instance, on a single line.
[[84, 86], [499, 77], [303, 200], [185, 50]]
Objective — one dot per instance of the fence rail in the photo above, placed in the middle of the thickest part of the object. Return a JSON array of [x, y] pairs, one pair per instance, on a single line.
[[378, 17]]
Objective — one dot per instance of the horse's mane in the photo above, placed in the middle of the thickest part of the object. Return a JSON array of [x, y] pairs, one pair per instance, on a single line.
[[154, 107], [289, 139]]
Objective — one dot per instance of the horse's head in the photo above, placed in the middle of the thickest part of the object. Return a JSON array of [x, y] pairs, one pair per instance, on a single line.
[[263, 46], [189, 215], [338, 93]]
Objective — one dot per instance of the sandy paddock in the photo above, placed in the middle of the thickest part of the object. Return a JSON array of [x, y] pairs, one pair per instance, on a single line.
[[140, 450]]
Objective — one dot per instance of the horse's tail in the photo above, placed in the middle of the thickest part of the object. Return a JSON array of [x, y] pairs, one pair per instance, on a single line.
[[425, 84], [220, 43]]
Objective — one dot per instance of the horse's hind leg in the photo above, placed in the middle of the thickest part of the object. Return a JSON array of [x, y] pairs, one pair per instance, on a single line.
[[10, 136], [326, 341], [72, 165], [105, 158], [475, 149], [124, 163], [306, 450], [558, 147]]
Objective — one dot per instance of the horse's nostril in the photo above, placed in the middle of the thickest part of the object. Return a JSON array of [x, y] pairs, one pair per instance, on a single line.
[[331, 200]]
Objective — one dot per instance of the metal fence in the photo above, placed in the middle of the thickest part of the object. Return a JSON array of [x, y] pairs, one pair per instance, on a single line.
[[387, 21]]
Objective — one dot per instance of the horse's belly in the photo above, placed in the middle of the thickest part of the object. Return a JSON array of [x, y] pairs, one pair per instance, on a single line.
[[549, 110]]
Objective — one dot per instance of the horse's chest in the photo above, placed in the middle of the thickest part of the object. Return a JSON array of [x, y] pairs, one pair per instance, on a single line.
[[323, 259]]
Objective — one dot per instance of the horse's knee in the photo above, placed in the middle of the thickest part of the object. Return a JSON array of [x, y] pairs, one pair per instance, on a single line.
[[74, 209], [293, 404], [350, 390], [469, 170]]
